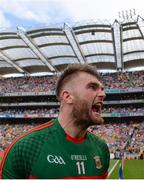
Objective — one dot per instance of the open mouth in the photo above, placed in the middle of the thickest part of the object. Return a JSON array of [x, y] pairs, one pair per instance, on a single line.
[[97, 107]]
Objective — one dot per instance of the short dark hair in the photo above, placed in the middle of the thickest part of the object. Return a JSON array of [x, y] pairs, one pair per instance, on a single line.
[[71, 71]]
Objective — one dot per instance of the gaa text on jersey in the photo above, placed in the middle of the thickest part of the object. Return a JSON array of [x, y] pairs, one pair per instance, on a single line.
[[55, 159]]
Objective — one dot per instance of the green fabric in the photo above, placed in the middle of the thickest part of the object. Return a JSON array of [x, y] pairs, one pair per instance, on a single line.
[[47, 153]]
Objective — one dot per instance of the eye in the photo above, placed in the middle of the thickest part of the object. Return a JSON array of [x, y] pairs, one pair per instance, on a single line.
[[93, 87]]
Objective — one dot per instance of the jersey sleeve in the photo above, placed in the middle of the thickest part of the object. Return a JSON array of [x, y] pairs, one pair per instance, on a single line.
[[19, 159], [8, 168], [21, 156]]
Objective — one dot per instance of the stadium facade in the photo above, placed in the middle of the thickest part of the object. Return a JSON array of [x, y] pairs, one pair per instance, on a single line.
[[113, 46]]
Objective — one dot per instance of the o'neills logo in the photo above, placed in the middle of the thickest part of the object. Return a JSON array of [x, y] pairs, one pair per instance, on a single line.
[[78, 157], [55, 159], [98, 162]]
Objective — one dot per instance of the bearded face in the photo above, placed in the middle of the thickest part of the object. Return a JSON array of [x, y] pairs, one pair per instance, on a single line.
[[85, 113], [84, 97]]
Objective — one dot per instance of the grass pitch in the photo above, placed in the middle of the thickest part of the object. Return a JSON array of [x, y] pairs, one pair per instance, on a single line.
[[133, 169]]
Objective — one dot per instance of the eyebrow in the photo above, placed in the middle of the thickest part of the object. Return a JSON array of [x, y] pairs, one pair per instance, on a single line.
[[97, 84]]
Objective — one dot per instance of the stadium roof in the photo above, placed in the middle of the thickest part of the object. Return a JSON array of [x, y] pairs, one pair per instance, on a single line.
[[119, 45]]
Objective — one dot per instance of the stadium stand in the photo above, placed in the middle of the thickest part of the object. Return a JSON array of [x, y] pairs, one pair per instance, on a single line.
[[30, 100], [121, 115]]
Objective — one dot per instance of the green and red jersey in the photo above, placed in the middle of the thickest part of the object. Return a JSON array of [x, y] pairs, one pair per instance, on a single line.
[[47, 152]]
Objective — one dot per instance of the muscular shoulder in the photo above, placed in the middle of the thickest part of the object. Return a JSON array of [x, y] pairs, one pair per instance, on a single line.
[[25, 149], [34, 137]]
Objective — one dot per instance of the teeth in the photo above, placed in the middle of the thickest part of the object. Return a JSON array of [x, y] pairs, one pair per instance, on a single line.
[[97, 107]]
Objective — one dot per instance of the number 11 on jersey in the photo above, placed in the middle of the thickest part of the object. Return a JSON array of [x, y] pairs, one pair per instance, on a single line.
[[80, 167]]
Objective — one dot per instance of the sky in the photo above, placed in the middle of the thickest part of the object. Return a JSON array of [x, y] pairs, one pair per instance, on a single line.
[[34, 13]]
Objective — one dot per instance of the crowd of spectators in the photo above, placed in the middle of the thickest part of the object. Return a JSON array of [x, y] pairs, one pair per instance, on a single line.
[[27, 84], [30, 111], [47, 83], [123, 109], [118, 136], [48, 110], [8, 132], [124, 80], [136, 144], [115, 135], [123, 136]]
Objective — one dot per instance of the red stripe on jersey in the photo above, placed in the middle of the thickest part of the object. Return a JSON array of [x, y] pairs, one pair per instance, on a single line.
[[103, 176], [42, 126], [75, 140], [32, 177]]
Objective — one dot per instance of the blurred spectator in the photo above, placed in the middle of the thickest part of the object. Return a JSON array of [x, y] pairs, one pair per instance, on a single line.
[[125, 80]]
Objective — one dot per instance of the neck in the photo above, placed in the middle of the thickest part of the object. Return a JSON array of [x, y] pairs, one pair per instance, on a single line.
[[70, 127]]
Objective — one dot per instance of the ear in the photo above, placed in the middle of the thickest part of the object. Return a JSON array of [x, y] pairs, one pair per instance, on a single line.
[[67, 97]]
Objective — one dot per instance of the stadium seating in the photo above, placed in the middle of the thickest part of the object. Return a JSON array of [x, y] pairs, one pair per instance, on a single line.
[[34, 98]]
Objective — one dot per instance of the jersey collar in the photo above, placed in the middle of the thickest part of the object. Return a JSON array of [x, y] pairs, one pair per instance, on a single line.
[[67, 136]]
